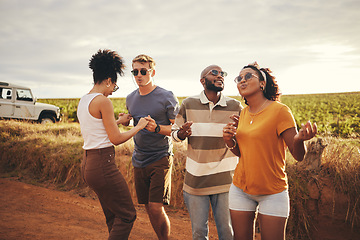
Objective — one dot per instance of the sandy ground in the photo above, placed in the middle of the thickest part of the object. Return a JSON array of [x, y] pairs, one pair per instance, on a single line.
[[33, 212]]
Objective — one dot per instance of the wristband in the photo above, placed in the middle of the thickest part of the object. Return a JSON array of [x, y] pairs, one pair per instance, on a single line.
[[175, 136], [157, 129], [235, 144]]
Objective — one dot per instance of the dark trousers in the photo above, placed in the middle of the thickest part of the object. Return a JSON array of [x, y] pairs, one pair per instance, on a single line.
[[100, 172]]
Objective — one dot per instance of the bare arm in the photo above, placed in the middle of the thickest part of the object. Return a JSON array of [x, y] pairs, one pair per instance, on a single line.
[[124, 119], [107, 114], [295, 140], [164, 129], [229, 132], [185, 130]]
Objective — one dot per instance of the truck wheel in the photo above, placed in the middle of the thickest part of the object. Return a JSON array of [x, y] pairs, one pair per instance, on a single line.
[[47, 119]]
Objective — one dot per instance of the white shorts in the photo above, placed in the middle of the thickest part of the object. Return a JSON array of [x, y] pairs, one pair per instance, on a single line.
[[277, 205]]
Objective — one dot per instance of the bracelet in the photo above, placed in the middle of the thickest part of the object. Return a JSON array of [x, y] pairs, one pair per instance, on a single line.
[[235, 144], [175, 137]]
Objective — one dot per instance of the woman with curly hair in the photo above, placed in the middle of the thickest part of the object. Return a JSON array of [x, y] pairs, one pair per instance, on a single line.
[[259, 136], [100, 132]]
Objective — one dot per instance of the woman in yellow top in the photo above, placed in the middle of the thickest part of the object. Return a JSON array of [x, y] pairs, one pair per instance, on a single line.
[[259, 136]]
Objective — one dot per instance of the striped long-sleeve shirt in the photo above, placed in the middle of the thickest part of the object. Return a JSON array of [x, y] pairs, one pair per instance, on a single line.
[[209, 164]]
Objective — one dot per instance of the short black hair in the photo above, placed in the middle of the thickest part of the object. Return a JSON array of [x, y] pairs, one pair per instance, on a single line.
[[106, 64]]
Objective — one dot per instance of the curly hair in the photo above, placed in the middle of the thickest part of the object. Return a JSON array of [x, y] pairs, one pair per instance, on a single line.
[[271, 91], [106, 64]]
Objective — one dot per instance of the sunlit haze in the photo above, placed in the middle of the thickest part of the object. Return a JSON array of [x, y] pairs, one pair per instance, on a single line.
[[311, 46]]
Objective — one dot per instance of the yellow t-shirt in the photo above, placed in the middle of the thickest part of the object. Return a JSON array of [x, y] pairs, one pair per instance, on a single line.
[[261, 167]]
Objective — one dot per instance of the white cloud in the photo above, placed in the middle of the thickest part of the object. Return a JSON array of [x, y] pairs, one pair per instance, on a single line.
[[51, 42]]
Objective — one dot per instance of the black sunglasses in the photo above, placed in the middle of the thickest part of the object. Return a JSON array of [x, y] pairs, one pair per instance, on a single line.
[[116, 87], [143, 71], [216, 72], [247, 77]]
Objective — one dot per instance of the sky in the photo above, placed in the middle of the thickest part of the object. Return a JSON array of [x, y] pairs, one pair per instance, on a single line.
[[311, 46]]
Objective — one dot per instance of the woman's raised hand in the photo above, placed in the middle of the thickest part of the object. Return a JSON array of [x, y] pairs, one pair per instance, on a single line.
[[142, 123], [306, 132]]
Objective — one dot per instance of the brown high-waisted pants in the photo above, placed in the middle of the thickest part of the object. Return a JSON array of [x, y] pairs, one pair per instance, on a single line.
[[100, 172]]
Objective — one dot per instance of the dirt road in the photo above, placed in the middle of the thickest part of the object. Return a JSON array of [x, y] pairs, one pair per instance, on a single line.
[[33, 212]]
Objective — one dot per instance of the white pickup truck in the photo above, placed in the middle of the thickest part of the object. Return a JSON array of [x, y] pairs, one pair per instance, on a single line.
[[18, 102]]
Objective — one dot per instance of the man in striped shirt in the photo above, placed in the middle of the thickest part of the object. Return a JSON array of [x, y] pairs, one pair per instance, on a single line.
[[209, 164]]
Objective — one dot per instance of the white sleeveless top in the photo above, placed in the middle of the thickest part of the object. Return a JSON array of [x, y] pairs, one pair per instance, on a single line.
[[92, 129]]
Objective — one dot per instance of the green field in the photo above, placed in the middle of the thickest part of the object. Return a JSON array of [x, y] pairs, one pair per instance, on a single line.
[[336, 114]]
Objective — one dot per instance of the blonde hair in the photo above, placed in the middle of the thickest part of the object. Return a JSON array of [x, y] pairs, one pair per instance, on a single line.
[[144, 59]]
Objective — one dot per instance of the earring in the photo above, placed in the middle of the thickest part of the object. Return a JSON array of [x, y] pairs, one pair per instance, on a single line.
[[262, 88], [108, 85]]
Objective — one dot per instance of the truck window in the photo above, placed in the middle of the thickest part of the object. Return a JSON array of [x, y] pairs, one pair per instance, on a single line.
[[5, 93], [23, 95]]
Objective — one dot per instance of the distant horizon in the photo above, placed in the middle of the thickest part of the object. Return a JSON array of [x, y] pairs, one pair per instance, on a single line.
[[354, 92]]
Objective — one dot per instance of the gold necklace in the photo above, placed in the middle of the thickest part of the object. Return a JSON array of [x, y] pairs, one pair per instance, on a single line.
[[252, 118]]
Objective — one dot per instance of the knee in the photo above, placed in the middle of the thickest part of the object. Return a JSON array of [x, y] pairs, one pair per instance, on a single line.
[[131, 218], [200, 232], [199, 228], [155, 210]]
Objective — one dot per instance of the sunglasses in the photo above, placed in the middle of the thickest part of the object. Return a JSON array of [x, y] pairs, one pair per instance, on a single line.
[[143, 71], [216, 72], [116, 87], [247, 77]]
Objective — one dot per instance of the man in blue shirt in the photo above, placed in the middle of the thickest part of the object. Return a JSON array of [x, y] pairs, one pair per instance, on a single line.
[[152, 156]]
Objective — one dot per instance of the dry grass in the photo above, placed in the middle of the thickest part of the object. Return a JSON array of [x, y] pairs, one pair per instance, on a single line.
[[341, 161], [43, 152], [325, 190], [52, 154]]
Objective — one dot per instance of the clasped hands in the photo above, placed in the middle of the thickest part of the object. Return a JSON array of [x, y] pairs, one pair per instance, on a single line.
[[124, 119]]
